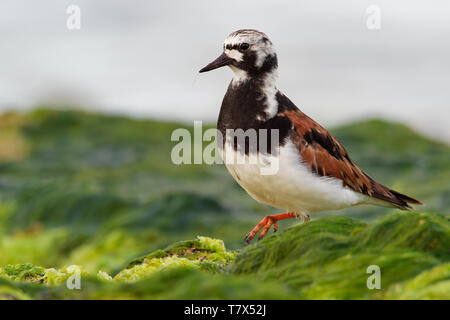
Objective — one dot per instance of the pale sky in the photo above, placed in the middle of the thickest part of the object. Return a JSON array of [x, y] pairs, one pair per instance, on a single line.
[[141, 58]]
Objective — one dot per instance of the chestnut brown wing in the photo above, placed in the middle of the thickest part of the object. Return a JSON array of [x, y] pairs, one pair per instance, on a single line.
[[326, 156]]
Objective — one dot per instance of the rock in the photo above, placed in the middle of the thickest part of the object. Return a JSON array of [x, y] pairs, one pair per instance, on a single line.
[[204, 253], [23, 272], [328, 258]]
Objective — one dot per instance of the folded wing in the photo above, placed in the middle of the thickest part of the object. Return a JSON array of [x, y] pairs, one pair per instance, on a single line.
[[326, 156]]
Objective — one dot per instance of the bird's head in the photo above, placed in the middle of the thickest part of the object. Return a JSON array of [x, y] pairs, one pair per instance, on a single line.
[[246, 52]]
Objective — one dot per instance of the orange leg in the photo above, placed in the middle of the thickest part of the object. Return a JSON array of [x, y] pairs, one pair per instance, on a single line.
[[267, 222]]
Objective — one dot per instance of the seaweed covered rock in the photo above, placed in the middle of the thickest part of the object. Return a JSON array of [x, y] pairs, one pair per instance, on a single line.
[[30, 273], [203, 253], [172, 283], [422, 232], [53, 276], [9, 292], [23, 272], [430, 284], [192, 269], [329, 258]]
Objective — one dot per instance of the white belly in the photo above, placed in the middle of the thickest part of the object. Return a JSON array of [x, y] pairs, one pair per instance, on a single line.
[[292, 187]]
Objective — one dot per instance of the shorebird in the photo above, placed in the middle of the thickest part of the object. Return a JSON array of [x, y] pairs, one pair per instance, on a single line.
[[315, 172]]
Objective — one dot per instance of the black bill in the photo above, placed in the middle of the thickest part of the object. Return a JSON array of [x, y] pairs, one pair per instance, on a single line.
[[222, 60]]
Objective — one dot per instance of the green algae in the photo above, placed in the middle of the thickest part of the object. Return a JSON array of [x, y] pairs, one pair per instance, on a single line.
[[173, 283], [430, 284], [23, 272], [54, 276], [328, 258], [423, 232], [203, 253], [10, 293]]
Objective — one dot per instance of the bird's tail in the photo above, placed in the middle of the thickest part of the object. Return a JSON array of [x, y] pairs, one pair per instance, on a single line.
[[403, 200]]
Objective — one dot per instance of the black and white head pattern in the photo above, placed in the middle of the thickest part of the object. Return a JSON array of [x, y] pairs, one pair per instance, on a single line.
[[252, 53]]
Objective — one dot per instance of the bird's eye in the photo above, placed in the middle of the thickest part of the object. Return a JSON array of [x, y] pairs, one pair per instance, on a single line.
[[244, 46]]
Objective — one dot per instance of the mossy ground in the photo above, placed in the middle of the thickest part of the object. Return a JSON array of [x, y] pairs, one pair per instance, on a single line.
[[89, 193], [328, 258], [323, 259]]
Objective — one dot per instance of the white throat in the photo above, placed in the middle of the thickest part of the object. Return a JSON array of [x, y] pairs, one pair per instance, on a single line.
[[239, 75]]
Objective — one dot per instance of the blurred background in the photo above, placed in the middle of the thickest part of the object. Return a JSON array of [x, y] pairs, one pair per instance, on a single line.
[[86, 116], [141, 58]]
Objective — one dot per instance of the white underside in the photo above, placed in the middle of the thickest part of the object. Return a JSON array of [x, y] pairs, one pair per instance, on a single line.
[[293, 187]]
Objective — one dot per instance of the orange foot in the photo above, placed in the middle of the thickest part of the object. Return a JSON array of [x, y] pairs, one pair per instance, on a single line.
[[267, 222]]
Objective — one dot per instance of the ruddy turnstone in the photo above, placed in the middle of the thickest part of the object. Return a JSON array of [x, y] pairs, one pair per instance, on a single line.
[[315, 172]]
